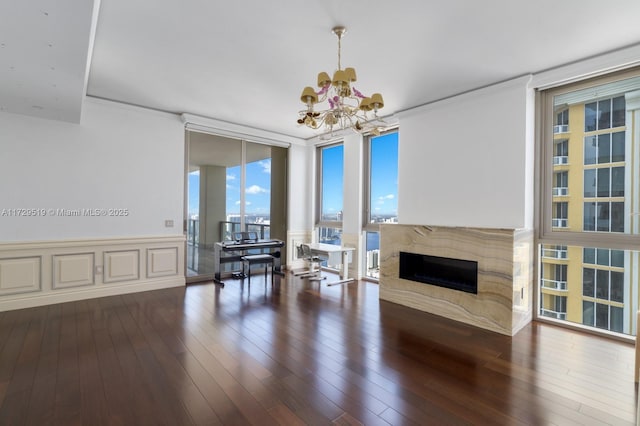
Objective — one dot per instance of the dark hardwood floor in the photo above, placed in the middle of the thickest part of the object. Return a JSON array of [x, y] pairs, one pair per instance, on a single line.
[[297, 353]]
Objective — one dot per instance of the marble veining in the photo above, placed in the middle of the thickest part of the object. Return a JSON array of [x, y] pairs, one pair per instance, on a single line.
[[505, 265]]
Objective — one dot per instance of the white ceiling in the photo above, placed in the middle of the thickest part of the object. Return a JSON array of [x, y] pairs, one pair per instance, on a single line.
[[246, 61]]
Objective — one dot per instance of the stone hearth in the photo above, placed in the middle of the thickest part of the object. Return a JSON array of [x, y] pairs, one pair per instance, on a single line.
[[505, 274]]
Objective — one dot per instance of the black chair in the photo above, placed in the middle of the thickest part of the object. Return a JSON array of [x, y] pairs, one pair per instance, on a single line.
[[257, 259]]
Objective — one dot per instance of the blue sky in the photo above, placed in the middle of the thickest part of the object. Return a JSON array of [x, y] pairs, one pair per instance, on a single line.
[[384, 179], [384, 188], [257, 192]]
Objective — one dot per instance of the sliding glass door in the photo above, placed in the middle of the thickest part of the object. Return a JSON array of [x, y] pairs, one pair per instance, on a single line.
[[232, 185]]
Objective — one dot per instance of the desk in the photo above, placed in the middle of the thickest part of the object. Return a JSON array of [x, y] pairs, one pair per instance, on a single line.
[[230, 251], [335, 255]]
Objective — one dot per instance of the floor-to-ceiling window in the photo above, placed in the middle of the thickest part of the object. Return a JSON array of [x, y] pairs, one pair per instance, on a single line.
[[330, 193], [589, 202], [381, 193], [232, 185]]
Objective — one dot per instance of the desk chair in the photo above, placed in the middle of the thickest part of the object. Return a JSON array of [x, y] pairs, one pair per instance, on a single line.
[[304, 252], [257, 259]]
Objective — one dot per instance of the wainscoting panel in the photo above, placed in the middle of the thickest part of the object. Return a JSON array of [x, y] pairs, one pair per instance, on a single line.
[[162, 262], [20, 275], [73, 270], [294, 239], [121, 266], [37, 273]]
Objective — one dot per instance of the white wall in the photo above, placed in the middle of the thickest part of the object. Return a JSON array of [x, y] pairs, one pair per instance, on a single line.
[[118, 157], [466, 161], [353, 184], [301, 188]]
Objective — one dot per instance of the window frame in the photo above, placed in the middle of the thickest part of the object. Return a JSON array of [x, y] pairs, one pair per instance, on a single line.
[[319, 221], [367, 226], [545, 120]]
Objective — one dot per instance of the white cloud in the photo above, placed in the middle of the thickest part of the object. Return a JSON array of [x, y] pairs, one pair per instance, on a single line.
[[255, 189], [231, 177], [266, 166], [383, 198]]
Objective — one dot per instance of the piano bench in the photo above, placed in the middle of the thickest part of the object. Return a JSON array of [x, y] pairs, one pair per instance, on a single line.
[[257, 259]]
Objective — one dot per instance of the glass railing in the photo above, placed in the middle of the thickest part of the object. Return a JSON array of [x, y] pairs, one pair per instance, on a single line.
[[560, 191], [560, 223], [193, 232], [554, 253], [560, 159], [554, 284], [553, 314], [226, 230], [560, 128]]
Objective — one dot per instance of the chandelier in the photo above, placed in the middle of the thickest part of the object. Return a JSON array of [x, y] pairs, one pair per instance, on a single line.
[[346, 106]]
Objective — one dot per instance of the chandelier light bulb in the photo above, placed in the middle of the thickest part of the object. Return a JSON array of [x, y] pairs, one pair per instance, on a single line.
[[338, 105]]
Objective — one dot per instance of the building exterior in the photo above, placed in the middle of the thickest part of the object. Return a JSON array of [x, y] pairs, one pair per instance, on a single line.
[[595, 189]]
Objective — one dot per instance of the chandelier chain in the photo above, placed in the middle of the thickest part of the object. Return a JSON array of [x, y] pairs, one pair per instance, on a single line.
[[339, 50]]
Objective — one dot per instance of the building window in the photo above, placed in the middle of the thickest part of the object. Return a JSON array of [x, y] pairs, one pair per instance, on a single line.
[[561, 152], [561, 184], [562, 118], [380, 192], [601, 232], [603, 316], [604, 114], [604, 148], [560, 215], [603, 217]]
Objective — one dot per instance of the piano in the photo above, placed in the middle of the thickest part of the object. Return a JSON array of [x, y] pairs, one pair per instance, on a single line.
[[242, 243]]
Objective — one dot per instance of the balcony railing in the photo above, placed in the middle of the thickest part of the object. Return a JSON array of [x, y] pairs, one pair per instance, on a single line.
[[554, 284], [553, 314], [550, 253], [560, 191], [559, 223], [560, 128], [226, 230], [193, 232], [560, 159]]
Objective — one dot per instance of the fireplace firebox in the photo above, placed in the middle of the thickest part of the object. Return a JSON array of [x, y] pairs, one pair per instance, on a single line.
[[455, 274]]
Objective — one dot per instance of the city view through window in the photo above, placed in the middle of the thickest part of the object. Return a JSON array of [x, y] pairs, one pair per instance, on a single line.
[[594, 191], [257, 195], [382, 185], [382, 203]]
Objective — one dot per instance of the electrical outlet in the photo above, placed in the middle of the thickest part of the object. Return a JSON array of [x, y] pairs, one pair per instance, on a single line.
[[168, 223]]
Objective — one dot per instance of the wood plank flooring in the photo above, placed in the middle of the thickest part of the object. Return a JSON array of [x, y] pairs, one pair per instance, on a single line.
[[293, 354]]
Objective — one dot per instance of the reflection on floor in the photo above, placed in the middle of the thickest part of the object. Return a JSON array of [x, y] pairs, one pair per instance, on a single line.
[[199, 261]]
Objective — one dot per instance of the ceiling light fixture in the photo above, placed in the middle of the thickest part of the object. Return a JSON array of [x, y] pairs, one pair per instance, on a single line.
[[347, 107]]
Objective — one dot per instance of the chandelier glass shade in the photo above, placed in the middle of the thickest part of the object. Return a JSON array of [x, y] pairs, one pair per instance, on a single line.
[[338, 105]]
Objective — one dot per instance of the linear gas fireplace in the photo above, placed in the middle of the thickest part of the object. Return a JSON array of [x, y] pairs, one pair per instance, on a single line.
[[455, 274]]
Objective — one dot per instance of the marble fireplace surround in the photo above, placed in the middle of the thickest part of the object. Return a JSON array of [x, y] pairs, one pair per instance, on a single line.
[[505, 273]]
